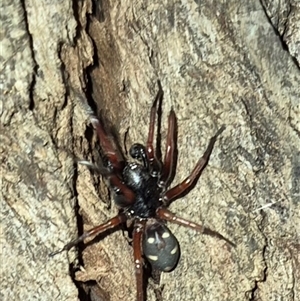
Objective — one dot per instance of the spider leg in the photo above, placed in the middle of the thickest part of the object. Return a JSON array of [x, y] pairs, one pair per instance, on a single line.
[[188, 183], [153, 161], [110, 224], [98, 169], [138, 259], [170, 148], [167, 215], [115, 160], [128, 196], [121, 189], [110, 151]]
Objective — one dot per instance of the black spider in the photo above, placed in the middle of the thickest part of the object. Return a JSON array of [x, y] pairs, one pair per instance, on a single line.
[[140, 191]]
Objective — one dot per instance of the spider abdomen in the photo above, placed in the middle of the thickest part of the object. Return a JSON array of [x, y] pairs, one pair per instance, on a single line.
[[160, 246]]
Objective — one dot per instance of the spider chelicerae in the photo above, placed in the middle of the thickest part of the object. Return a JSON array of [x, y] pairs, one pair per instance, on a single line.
[[140, 190]]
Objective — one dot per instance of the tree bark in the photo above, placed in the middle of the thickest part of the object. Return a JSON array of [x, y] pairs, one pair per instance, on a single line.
[[234, 63]]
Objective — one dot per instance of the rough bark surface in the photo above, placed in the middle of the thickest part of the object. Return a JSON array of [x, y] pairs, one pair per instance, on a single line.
[[234, 63]]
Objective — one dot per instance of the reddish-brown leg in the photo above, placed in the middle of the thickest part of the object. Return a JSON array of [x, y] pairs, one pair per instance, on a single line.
[[110, 224], [116, 161], [110, 151], [169, 153], [153, 162], [167, 215], [138, 259], [187, 183], [121, 188], [114, 181]]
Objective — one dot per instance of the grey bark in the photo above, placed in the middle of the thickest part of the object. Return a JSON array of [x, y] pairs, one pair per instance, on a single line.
[[234, 63]]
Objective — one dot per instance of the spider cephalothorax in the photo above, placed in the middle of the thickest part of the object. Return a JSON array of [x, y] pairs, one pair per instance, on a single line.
[[140, 190]]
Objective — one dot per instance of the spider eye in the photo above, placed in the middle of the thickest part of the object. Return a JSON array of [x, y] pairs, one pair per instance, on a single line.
[[161, 247]]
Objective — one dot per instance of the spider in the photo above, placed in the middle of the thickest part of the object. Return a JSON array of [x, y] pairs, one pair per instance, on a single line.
[[140, 190]]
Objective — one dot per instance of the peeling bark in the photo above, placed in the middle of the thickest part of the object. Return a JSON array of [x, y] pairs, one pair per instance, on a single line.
[[233, 63]]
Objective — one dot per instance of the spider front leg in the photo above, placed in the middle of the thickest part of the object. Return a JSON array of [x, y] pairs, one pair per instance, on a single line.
[[155, 165], [187, 183], [169, 152], [110, 224], [138, 258], [125, 195], [167, 215], [114, 157]]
